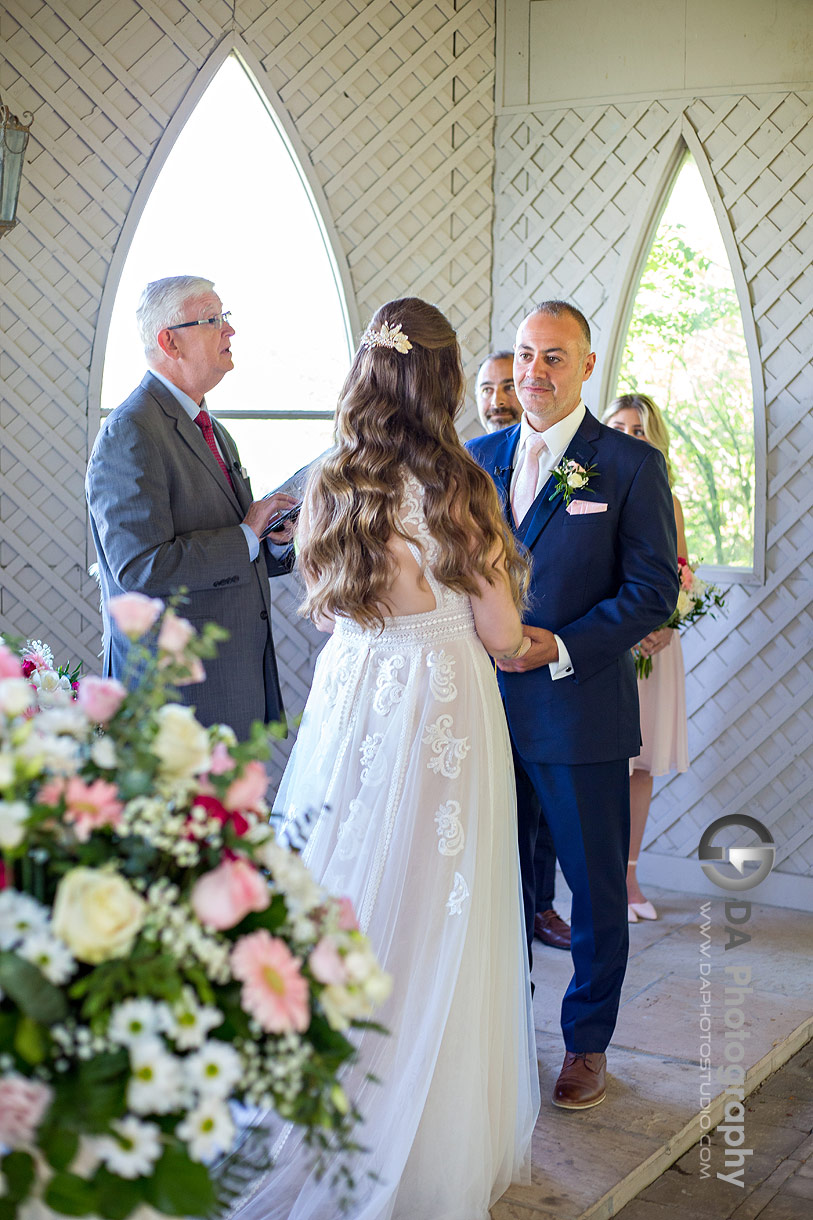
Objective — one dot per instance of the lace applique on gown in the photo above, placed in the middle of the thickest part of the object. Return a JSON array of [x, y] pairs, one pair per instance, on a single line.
[[403, 747]]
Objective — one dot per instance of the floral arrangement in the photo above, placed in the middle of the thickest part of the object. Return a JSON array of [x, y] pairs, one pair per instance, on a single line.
[[162, 956], [570, 476], [53, 685], [695, 598]]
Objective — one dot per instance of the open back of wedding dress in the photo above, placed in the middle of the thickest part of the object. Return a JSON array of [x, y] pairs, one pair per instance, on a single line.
[[404, 749]]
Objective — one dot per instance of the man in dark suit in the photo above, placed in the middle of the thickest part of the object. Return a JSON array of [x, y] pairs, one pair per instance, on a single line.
[[602, 540], [171, 507]]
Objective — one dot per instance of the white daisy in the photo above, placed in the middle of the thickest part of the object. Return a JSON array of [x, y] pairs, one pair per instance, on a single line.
[[214, 1070], [19, 915], [48, 954], [156, 1084], [132, 1150], [207, 1130], [190, 1022], [136, 1019]]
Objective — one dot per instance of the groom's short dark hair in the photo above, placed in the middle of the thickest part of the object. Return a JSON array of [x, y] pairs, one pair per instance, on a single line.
[[555, 309]]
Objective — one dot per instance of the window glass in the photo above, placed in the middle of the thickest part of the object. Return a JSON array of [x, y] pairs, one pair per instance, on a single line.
[[686, 349]]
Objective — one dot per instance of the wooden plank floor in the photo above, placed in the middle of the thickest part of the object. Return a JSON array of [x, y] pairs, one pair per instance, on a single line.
[[589, 1164]]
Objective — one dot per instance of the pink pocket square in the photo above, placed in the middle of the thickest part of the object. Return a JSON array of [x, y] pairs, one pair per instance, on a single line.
[[578, 507]]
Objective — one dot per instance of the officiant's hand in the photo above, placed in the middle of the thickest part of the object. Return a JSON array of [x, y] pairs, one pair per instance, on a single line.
[[543, 650], [262, 511]]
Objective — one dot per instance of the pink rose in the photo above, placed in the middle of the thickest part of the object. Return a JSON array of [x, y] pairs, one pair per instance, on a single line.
[[175, 634], [223, 897], [134, 614], [195, 671], [348, 921], [248, 789], [22, 1108], [222, 760], [100, 698], [10, 666], [326, 964]]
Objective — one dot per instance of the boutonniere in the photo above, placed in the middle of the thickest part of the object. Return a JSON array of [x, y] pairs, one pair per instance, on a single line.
[[569, 476]]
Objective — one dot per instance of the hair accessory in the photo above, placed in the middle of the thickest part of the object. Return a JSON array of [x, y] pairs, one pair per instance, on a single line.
[[388, 336]]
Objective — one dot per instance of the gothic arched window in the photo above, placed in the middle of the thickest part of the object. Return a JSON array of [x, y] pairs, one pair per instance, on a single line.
[[231, 204], [685, 347]]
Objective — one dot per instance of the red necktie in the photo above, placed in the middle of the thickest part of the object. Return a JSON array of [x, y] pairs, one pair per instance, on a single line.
[[204, 421]]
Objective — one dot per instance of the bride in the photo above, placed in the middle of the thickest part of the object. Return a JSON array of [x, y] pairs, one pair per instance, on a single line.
[[403, 748]]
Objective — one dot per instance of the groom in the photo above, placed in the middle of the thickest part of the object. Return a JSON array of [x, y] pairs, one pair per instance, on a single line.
[[603, 576]]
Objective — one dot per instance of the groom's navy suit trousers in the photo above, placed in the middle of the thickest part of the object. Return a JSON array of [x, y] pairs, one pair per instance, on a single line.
[[602, 581]]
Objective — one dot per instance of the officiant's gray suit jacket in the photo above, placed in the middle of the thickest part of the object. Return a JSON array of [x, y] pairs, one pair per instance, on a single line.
[[163, 517]]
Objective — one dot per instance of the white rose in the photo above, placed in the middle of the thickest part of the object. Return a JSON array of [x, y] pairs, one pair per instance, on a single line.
[[576, 480], [684, 603], [103, 753], [6, 769], [181, 744], [16, 696], [97, 914], [12, 823]]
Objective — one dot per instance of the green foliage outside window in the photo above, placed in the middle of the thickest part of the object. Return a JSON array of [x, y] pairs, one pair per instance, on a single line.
[[686, 349]]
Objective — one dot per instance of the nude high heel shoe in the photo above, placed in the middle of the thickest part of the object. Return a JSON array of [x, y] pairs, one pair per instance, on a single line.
[[640, 910]]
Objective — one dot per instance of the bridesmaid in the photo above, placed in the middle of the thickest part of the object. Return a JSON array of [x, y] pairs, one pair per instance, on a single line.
[[662, 695]]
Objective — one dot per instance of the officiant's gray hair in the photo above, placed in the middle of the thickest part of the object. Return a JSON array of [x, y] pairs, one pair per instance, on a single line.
[[163, 304]]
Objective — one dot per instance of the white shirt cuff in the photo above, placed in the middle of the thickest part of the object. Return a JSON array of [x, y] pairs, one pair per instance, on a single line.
[[562, 668], [252, 540]]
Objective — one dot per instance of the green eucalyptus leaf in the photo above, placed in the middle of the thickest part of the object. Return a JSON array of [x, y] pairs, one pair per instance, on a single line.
[[180, 1186], [28, 988], [18, 1171], [71, 1195]]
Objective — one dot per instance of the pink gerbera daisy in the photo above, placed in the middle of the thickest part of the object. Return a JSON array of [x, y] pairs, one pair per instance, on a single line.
[[274, 991], [91, 806]]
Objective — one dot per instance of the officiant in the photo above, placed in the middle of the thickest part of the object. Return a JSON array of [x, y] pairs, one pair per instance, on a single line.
[[171, 507]]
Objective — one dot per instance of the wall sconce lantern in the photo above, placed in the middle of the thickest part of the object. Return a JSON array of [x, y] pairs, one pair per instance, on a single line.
[[13, 141]]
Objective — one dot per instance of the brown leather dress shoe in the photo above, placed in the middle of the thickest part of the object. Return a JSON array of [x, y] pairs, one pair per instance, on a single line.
[[551, 930], [582, 1081]]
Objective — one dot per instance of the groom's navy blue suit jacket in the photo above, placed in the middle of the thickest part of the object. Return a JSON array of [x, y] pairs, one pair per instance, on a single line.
[[601, 581]]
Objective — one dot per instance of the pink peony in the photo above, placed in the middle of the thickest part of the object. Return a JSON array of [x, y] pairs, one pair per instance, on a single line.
[[175, 634], [223, 897], [100, 698], [248, 789], [348, 921], [274, 991], [134, 614], [22, 1108], [222, 760], [90, 806], [10, 666], [326, 963]]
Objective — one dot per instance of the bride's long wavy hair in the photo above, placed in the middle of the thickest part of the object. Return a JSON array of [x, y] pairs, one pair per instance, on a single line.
[[396, 414]]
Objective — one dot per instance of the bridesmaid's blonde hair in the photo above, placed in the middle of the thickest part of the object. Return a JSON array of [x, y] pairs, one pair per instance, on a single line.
[[652, 421], [396, 415]]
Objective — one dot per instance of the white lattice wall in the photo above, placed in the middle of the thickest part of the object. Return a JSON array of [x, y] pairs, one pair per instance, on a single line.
[[572, 187], [391, 104]]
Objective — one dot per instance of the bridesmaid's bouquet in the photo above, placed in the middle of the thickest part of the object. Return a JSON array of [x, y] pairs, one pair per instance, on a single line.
[[162, 957], [696, 598]]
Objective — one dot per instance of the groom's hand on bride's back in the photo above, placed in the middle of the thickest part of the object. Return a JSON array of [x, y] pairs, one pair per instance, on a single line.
[[543, 650]]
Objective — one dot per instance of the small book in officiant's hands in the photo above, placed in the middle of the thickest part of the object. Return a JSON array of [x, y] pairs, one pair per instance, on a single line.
[[293, 486]]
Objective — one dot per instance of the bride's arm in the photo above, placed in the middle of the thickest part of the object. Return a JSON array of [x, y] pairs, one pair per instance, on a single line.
[[496, 618], [325, 622]]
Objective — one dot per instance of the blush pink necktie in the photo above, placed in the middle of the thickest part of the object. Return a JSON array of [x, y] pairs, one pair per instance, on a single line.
[[204, 421], [524, 492]]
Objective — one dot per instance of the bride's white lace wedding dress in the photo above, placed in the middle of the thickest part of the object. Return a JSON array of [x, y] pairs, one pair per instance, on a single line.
[[404, 749]]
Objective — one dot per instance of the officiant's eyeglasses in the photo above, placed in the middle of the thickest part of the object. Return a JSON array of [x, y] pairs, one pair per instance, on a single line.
[[219, 320]]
